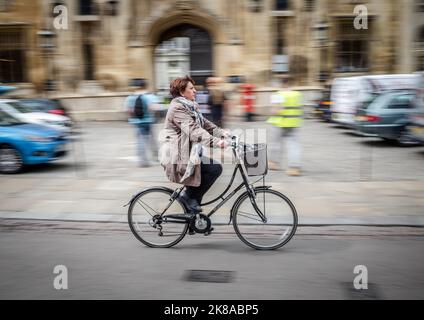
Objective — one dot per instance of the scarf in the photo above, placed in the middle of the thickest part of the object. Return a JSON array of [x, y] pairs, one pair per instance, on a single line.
[[194, 107], [197, 149]]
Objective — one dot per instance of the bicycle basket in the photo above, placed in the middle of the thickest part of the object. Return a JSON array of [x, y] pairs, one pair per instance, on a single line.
[[255, 159]]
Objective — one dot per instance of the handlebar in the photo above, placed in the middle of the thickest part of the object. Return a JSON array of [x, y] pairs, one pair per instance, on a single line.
[[234, 141]]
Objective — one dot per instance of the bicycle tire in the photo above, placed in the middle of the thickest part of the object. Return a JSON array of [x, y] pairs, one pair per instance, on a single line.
[[142, 228], [262, 230]]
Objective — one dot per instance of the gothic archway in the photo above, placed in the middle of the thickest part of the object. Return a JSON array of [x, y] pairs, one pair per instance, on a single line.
[[188, 18], [177, 58]]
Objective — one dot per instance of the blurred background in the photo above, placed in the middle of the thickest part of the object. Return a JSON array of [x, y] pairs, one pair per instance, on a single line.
[[67, 68], [77, 50]]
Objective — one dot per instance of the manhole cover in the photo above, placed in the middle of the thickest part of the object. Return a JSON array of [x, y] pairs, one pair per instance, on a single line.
[[372, 293], [209, 276]]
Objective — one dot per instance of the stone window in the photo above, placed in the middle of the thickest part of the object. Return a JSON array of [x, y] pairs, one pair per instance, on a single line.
[[309, 5], [352, 47], [88, 7], [279, 39], [419, 5], [255, 5], [88, 60], [5, 5], [282, 5], [12, 55]]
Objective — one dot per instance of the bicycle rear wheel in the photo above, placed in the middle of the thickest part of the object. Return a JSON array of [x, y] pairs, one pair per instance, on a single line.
[[281, 221], [149, 225]]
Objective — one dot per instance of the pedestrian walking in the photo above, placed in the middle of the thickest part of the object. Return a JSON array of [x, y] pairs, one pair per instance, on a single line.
[[216, 101], [287, 122], [140, 106]]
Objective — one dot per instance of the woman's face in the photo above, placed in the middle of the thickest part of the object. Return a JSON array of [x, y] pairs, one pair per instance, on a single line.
[[189, 92]]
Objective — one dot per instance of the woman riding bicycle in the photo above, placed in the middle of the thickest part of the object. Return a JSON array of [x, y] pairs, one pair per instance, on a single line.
[[186, 130], [160, 217]]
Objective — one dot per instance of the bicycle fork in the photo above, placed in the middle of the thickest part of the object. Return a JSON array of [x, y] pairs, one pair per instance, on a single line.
[[258, 211]]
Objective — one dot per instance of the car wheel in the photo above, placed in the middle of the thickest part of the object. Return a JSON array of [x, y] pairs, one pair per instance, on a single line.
[[10, 160], [405, 138]]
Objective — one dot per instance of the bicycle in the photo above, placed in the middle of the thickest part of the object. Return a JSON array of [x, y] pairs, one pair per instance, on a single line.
[[158, 219]]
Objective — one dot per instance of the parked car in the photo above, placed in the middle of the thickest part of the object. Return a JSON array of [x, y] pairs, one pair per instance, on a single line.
[[417, 116], [26, 114], [5, 89], [350, 93], [53, 106], [387, 116], [23, 144], [323, 106]]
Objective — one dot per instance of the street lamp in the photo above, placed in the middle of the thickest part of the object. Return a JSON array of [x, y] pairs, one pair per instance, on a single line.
[[320, 31], [48, 46]]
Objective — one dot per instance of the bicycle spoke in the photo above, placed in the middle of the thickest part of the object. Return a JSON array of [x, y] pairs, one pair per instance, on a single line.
[[284, 234], [250, 215], [138, 201]]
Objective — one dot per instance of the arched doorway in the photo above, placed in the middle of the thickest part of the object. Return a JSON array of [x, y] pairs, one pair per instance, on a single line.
[[183, 49]]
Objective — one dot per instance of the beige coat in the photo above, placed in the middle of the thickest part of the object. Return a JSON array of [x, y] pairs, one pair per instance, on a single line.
[[180, 133]]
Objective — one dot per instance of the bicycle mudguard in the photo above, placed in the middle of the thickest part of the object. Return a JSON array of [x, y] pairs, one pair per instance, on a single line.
[[240, 197], [155, 187]]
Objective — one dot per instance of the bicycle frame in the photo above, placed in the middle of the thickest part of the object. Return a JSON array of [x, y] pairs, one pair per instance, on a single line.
[[245, 183]]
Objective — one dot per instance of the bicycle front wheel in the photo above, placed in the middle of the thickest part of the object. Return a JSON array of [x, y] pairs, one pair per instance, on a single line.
[[147, 218], [280, 225]]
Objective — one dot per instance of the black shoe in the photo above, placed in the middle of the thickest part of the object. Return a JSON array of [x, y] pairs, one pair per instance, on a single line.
[[191, 204]]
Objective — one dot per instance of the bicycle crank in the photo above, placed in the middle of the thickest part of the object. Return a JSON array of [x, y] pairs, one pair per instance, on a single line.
[[200, 223]]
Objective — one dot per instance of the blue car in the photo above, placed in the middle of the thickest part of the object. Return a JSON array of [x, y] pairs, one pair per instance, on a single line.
[[23, 144]]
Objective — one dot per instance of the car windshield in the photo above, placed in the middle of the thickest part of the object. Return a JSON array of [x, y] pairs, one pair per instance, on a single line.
[[401, 101], [370, 100], [19, 107], [8, 120], [36, 105]]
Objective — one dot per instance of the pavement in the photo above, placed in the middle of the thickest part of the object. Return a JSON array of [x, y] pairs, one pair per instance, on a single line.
[[346, 180], [109, 263]]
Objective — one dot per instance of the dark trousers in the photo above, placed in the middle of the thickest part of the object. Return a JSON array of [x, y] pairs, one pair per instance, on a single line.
[[210, 171], [216, 113]]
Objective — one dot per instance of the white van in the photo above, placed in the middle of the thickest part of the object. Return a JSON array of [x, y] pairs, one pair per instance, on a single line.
[[348, 94]]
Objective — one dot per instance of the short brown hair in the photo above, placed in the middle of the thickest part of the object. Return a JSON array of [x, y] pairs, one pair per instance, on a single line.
[[179, 85]]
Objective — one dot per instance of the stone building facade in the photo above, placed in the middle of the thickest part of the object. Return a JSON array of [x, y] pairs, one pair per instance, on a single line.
[[102, 44]]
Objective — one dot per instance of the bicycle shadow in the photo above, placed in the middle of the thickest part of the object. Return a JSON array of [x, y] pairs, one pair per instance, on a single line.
[[299, 245]]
